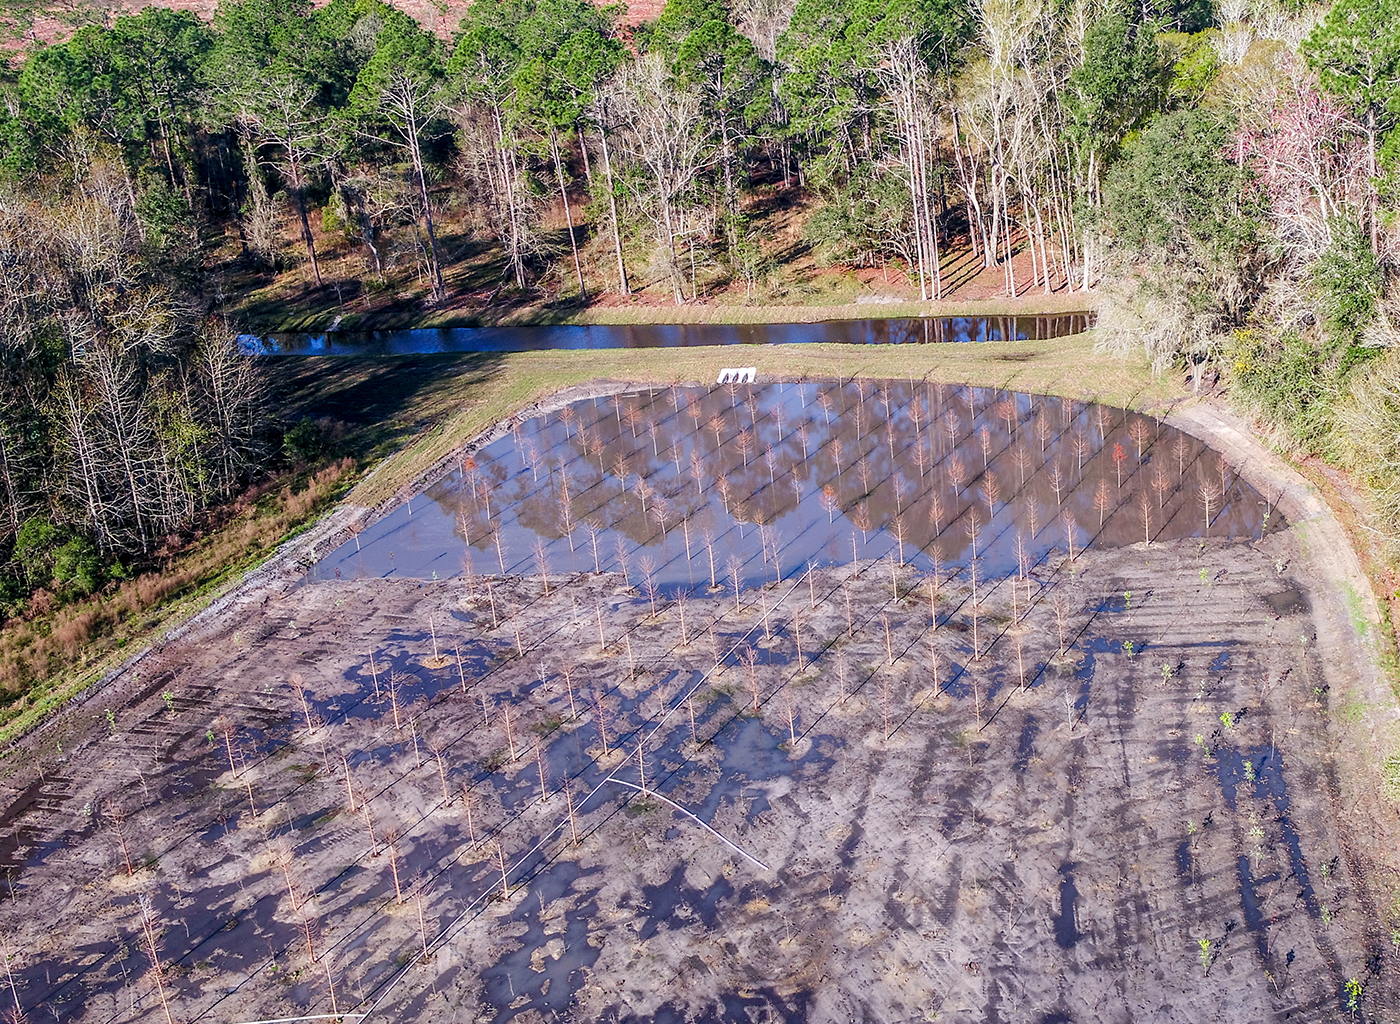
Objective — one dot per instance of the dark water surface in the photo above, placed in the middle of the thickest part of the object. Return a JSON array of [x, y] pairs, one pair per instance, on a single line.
[[429, 340], [688, 487]]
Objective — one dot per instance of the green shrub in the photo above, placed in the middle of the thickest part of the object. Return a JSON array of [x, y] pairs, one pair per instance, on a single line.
[[1288, 382], [49, 555], [1347, 281]]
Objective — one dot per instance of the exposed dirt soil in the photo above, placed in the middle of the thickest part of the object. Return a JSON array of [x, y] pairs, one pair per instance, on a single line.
[[1113, 788]]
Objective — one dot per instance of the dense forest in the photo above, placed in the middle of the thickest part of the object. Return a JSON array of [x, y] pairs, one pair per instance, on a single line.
[[1221, 177]]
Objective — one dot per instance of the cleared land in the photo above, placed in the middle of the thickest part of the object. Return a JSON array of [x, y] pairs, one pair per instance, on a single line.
[[1097, 788]]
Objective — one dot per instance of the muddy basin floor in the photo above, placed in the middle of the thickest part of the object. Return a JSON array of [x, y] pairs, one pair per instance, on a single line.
[[1095, 790]]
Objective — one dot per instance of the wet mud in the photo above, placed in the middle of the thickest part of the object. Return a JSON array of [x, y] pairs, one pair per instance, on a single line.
[[1086, 780]]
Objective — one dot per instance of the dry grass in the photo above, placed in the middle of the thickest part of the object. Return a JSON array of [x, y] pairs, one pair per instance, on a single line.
[[54, 652]]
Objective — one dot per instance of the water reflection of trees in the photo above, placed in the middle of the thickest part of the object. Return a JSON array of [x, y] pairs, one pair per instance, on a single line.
[[781, 474]]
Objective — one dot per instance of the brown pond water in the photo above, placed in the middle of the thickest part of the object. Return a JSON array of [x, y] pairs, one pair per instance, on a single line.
[[685, 487]]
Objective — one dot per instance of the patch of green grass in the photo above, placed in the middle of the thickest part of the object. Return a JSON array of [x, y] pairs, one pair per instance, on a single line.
[[1352, 711], [448, 401], [1390, 786]]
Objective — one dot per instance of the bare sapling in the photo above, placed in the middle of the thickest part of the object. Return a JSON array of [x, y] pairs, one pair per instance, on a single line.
[[501, 860], [541, 554], [850, 621], [1145, 507], [395, 705], [889, 640], [432, 631], [1161, 483], [485, 708], [1021, 459], [682, 599], [933, 661], [437, 748], [984, 441], [620, 548], [841, 674], [374, 675], [646, 565], [1079, 445], [1060, 604], [148, 927], [797, 638], [736, 578], [491, 598], [467, 811], [519, 635], [1067, 519], [223, 725], [600, 720], [991, 493], [510, 733], [569, 803], [1103, 500], [391, 844], [1119, 457], [885, 701], [976, 606], [569, 686], [1044, 430], [863, 468], [593, 530], [750, 660], [116, 818], [642, 760], [349, 784], [1208, 495], [1020, 655], [500, 548], [17, 1017], [1140, 432], [461, 672], [544, 776], [298, 685], [935, 512], [1057, 482], [1180, 449], [661, 512], [602, 642]]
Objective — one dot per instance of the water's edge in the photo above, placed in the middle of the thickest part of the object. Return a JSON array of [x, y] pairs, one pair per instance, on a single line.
[[433, 340]]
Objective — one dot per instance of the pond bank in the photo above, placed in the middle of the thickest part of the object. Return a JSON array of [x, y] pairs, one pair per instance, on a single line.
[[640, 312]]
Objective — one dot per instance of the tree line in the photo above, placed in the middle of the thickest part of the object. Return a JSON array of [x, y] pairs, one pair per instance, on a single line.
[[1217, 172]]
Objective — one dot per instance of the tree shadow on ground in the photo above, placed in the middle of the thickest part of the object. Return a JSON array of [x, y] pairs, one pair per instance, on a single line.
[[377, 404]]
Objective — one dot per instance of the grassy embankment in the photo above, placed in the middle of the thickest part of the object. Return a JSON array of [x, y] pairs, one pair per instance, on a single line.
[[399, 417]]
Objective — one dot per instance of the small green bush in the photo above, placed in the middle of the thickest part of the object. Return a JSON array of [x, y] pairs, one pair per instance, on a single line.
[[1347, 280], [1288, 382]]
